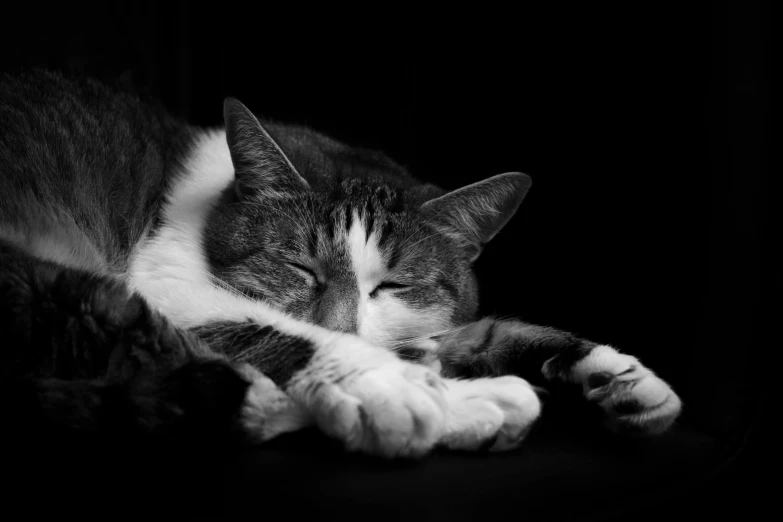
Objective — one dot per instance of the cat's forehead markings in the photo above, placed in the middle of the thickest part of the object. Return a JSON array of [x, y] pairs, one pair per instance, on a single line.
[[366, 257]]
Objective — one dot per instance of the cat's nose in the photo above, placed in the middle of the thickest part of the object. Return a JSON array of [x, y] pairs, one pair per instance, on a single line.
[[337, 308]]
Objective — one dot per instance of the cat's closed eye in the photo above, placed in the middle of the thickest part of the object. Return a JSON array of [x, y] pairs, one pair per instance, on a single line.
[[388, 286], [307, 272]]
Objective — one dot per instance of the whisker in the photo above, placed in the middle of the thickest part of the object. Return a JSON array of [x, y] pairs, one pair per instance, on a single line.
[[412, 340], [222, 285]]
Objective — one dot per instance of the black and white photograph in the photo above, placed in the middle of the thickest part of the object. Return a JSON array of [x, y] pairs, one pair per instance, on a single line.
[[385, 262]]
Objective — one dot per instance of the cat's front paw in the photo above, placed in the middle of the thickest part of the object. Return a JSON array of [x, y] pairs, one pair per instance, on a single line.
[[374, 402], [493, 413], [634, 400]]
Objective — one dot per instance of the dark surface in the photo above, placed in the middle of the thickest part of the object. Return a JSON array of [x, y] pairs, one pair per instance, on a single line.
[[566, 471], [651, 224], [554, 477]]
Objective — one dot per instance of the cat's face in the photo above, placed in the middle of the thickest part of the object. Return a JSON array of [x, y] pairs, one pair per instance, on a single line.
[[354, 260], [361, 254]]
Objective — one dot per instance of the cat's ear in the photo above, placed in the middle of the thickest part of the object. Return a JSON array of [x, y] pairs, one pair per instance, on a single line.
[[260, 166], [474, 214]]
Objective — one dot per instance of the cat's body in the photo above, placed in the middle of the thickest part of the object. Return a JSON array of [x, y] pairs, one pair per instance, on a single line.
[[274, 263]]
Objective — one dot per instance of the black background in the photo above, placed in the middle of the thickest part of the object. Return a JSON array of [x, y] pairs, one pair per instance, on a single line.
[[650, 220]]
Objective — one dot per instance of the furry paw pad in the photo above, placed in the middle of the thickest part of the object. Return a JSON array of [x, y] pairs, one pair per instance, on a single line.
[[634, 400]]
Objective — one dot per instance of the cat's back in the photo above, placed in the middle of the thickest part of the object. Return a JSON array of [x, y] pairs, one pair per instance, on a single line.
[[76, 124], [83, 167]]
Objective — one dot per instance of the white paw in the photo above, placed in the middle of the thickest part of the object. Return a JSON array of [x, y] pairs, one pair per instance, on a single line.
[[374, 402], [634, 400], [269, 411], [489, 412]]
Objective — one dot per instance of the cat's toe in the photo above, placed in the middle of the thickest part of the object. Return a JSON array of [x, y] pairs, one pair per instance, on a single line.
[[637, 403], [490, 413], [634, 400], [392, 411], [405, 410]]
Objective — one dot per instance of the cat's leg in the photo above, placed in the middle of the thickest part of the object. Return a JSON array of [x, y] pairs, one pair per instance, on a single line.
[[358, 393], [81, 353], [355, 392], [632, 397], [492, 413]]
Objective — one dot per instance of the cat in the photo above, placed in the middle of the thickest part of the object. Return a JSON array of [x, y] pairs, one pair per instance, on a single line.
[[159, 278]]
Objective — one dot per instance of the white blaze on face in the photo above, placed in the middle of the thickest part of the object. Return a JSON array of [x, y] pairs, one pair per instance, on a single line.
[[383, 319], [366, 259]]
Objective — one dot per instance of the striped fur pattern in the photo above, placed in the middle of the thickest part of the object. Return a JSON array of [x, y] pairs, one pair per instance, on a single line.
[[323, 281], [633, 399]]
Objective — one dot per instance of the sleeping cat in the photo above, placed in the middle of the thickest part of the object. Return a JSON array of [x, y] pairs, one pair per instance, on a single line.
[[158, 278]]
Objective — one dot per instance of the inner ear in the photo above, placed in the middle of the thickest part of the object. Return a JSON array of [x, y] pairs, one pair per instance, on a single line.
[[473, 215], [260, 165]]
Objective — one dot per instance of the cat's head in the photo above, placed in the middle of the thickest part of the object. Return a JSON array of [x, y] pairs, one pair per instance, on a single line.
[[347, 242]]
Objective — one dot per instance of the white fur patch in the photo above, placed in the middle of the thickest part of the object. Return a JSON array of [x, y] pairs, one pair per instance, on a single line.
[[603, 359], [366, 259]]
